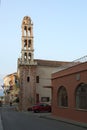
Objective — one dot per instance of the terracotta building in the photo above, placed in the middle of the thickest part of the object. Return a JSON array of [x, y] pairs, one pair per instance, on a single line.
[[69, 92], [33, 74]]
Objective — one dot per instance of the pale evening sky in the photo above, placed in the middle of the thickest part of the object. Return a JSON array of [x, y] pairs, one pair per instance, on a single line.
[[60, 30]]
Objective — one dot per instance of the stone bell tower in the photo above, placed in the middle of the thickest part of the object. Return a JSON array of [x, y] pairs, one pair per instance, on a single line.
[[27, 66], [27, 41]]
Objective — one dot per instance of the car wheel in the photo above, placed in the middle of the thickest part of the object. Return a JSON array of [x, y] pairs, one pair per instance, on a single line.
[[36, 111]]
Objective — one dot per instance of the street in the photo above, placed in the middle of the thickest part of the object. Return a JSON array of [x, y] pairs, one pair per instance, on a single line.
[[13, 120]]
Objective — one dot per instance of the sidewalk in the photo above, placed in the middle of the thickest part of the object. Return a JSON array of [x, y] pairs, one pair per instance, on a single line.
[[51, 117], [84, 125], [1, 127]]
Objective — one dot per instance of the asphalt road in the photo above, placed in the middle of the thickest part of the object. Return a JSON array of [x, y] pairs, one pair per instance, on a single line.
[[13, 120]]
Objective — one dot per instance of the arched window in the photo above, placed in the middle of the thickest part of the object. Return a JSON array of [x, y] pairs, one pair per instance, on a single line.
[[62, 97], [29, 56], [25, 31], [29, 44], [25, 44], [81, 96], [25, 56]]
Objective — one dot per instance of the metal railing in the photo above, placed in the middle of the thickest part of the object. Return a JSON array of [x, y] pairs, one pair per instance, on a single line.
[[73, 63]]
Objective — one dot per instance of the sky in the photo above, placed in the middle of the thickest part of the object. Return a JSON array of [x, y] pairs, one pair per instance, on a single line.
[[59, 27]]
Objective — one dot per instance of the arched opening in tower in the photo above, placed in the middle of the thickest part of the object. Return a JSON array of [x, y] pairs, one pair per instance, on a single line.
[[29, 56], [25, 31], [25, 56], [25, 44], [29, 44], [29, 32]]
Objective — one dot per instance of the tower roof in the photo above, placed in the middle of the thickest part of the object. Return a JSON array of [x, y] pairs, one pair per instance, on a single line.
[[26, 20]]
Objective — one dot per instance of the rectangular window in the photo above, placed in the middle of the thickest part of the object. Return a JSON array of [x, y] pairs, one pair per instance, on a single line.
[[45, 99], [37, 79], [28, 79]]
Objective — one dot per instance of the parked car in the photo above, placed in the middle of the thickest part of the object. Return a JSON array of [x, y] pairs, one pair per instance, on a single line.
[[41, 107]]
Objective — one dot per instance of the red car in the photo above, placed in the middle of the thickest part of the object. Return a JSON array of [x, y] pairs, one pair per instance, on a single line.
[[41, 107]]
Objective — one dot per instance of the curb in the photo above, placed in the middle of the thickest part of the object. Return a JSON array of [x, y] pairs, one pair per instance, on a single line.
[[84, 125]]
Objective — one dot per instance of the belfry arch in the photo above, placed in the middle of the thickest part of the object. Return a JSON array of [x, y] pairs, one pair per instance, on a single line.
[[27, 50]]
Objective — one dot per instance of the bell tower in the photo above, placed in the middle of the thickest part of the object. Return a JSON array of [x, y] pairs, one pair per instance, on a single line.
[[27, 51], [27, 66]]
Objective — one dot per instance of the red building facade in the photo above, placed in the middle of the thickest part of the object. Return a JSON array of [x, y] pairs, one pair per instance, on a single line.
[[69, 93]]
